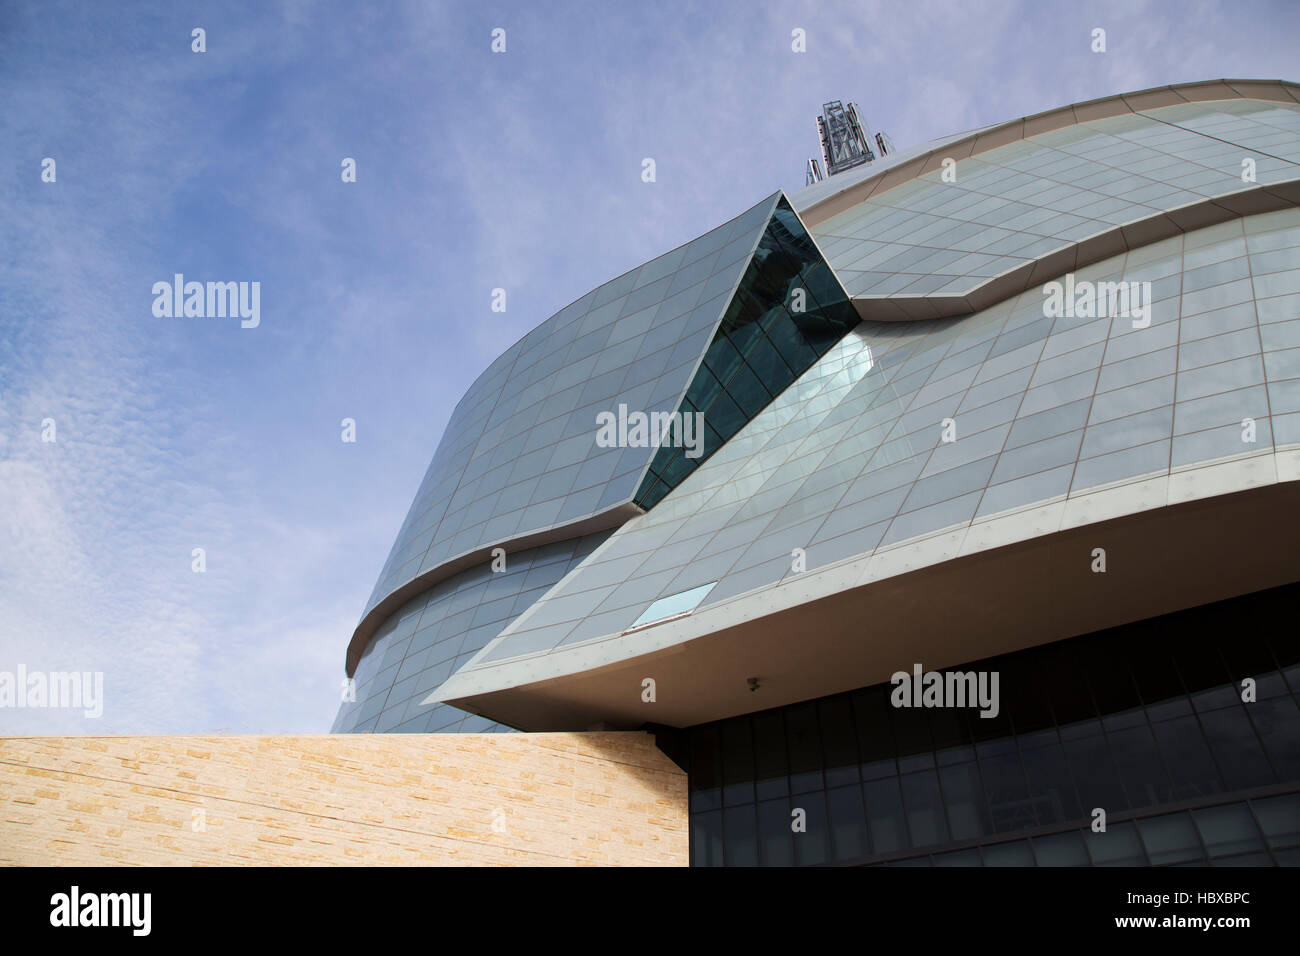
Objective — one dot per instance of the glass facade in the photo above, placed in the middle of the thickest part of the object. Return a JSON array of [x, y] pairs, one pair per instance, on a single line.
[[1145, 721], [787, 313], [1014, 204], [519, 454], [852, 458]]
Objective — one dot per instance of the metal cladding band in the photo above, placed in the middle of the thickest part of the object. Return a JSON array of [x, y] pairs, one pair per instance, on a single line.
[[1095, 248], [376, 616]]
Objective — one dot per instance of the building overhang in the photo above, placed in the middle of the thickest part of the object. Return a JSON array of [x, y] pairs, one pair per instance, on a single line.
[[1171, 541]]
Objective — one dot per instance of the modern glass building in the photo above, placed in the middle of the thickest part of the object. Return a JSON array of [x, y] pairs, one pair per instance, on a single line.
[[1020, 405]]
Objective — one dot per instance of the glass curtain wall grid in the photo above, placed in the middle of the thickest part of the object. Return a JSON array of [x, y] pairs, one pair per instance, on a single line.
[[850, 459], [429, 637], [1145, 721], [519, 453], [787, 313]]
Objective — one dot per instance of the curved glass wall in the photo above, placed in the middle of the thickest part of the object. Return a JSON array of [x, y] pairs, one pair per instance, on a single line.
[[433, 634], [1011, 205], [520, 455], [786, 313], [855, 455]]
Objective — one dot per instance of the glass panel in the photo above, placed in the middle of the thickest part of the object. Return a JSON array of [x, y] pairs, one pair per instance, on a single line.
[[1228, 829], [1188, 758], [1279, 818], [674, 604], [885, 811], [741, 832], [788, 311], [1118, 846], [964, 796], [775, 838], [1017, 853], [1051, 791], [810, 845], [925, 813], [706, 839], [1061, 849], [848, 820], [1171, 839], [737, 763], [959, 858]]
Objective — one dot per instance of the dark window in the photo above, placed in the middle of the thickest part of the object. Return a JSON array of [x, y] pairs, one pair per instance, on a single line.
[[925, 814], [1188, 758], [1170, 839], [810, 845], [1118, 845], [741, 835], [1051, 790], [1139, 766], [885, 813], [1103, 721], [1236, 749], [775, 846], [848, 821], [737, 762], [967, 811]]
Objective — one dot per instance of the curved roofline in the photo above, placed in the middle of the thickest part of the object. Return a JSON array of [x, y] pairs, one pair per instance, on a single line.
[[383, 609], [902, 307], [596, 288], [991, 137]]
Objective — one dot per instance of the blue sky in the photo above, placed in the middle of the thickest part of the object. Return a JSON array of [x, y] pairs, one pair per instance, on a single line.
[[475, 170]]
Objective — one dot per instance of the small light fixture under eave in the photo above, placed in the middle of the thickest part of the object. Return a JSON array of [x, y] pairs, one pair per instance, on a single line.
[[672, 607]]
